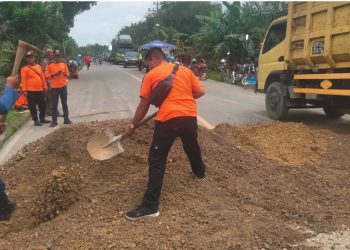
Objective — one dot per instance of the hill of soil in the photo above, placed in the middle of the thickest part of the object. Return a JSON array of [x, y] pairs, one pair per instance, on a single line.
[[268, 186]]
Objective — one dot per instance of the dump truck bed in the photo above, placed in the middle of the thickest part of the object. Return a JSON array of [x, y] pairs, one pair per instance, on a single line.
[[318, 35]]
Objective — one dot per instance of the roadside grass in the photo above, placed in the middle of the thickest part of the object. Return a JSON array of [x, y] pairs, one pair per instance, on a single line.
[[15, 121], [215, 75]]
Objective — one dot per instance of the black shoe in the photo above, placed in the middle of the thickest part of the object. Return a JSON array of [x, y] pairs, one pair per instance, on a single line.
[[141, 212], [6, 212], [53, 124], [37, 123], [195, 177], [45, 121], [67, 122]]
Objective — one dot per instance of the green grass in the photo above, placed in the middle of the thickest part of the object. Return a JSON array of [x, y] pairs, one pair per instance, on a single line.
[[214, 75], [14, 121]]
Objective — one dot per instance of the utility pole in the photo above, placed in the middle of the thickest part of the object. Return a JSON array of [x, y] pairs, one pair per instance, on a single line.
[[156, 11]]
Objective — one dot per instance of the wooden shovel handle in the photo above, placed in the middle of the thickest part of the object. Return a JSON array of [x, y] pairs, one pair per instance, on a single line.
[[147, 119]]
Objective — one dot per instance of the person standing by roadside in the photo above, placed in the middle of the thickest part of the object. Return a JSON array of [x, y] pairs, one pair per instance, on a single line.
[[7, 205], [58, 73], [186, 59], [177, 117], [33, 82], [87, 61], [79, 62], [46, 61]]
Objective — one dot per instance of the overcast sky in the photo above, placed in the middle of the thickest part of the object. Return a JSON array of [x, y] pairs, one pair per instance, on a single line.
[[104, 20]]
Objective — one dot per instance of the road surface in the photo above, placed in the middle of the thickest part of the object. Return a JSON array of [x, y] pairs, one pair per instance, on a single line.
[[112, 92]]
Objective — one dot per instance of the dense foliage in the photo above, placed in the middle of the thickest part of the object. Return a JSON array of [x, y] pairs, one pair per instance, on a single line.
[[43, 24], [95, 50], [210, 28]]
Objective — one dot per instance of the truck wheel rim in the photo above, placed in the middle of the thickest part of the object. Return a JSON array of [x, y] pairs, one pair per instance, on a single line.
[[273, 100]]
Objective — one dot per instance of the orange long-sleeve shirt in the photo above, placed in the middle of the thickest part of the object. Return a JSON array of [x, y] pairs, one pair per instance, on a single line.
[[60, 80], [33, 78]]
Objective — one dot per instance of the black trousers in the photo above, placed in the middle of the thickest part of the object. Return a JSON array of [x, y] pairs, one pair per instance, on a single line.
[[36, 98], [3, 196], [62, 94], [48, 100], [164, 136]]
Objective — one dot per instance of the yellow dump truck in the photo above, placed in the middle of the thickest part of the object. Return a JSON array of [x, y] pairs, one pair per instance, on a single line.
[[305, 60]]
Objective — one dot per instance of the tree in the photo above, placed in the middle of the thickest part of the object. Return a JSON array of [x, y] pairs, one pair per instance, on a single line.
[[95, 50], [71, 47], [43, 24], [226, 31], [38, 22], [176, 22], [71, 9]]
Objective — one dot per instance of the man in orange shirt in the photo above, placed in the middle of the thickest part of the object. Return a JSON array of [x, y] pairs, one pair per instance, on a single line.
[[57, 72], [34, 84], [177, 117]]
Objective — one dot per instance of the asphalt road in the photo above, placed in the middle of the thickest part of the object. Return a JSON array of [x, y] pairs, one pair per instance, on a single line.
[[112, 92]]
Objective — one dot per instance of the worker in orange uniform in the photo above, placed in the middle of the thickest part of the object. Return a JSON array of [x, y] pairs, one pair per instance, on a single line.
[[177, 117], [34, 84], [22, 102], [57, 72]]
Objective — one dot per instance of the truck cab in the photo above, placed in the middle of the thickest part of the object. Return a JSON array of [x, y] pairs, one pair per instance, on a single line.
[[304, 61]]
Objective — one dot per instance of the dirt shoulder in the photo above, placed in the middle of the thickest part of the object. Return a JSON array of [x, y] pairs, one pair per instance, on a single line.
[[253, 197]]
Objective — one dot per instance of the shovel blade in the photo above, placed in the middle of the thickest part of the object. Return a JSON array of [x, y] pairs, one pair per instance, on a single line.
[[97, 146]]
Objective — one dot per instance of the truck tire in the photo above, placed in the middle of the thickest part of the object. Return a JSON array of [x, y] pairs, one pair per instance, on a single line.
[[332, 112], [275, 102]]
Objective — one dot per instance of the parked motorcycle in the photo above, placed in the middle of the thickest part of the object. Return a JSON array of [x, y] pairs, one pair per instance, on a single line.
[[224, 70], [199, 68], [100, 61], [237, 74], [249, 78], [73, 69]]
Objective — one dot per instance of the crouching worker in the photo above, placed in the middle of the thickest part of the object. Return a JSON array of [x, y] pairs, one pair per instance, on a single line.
[[7, 205], [22, 102], [33, 82]]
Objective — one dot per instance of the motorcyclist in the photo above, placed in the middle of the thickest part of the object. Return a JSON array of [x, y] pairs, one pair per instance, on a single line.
[[79, 62]]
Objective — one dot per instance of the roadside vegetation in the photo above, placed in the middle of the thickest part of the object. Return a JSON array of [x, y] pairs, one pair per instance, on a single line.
[[15, 121], [49, 24], [209, 29]]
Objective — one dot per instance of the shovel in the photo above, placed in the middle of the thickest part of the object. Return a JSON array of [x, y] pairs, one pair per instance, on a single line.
[[104, 145]]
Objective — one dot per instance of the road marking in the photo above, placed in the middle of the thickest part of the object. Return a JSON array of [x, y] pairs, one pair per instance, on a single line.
[[201, 121], [130, 74]]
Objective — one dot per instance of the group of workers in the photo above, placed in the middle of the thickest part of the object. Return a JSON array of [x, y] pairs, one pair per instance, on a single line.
[[44, 85], [177, 117]]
